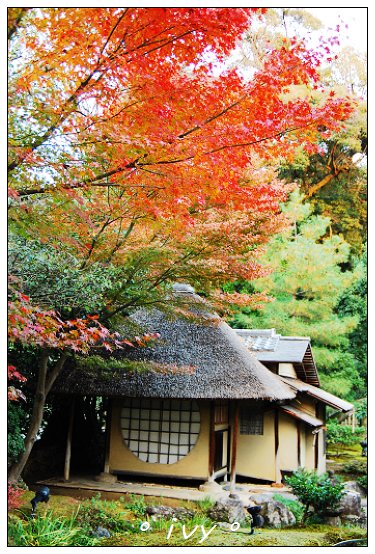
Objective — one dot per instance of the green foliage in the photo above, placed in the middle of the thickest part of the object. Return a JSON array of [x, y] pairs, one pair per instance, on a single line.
[[65, 509], [362, 482], [96, 512], [340, 165], [16, 423], [354, 302], [137, 505], [48, 530], [307, 284], [293, 505], [205, 504], [316, 491], [361, 409], [355, 467], [335, 536], [343, 435], [56, 279]]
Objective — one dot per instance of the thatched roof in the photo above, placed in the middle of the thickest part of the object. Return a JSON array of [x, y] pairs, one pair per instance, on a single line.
[[222, 365]]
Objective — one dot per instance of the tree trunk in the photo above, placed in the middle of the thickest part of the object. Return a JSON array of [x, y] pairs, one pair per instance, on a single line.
[[327, 179], [305, 514], [43, 387]]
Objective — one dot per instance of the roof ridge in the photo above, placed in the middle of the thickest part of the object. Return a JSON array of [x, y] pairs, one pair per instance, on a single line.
[[294, 338]]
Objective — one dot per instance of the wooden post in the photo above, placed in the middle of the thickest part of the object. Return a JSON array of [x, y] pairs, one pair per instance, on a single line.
[[277, 453], [299, 457], [107, 435], [68, 451], [234, 448], [211, 458], [316, 449]]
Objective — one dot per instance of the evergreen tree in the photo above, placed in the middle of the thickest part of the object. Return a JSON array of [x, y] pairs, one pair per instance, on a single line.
[[306, 284]]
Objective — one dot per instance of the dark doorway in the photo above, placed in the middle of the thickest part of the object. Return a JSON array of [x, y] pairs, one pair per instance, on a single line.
[[221, 449]]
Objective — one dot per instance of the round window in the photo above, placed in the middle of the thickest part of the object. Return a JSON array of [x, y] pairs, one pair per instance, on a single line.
[[160, 431]]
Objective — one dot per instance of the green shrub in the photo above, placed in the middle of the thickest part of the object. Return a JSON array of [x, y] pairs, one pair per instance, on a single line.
[[356, 467], [95, 512], [362, 482], [361, 409], [315, 491], [16, 422], [344, 534], [293, 505], [137, 505]]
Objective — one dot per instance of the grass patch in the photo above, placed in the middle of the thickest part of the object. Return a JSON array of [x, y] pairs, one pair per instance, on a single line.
[[293, 505], [310, 536], [48, 530], [96, 512], [205, 504], [67, 521], [137, 505]]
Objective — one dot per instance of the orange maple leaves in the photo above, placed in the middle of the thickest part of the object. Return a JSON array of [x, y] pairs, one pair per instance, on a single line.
[[126, 121]]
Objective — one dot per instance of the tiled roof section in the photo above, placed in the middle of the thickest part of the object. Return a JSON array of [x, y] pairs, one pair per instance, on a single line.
[[260, 340], [269, 347], [322, 395]]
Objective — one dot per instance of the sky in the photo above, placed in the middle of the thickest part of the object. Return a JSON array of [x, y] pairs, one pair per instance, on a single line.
[[356, 19]]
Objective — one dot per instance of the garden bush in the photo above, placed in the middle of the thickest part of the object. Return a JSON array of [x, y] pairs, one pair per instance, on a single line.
[[319, 492], [14, 496], [355, 467], [137, 505], [362, 482], [104, 513]]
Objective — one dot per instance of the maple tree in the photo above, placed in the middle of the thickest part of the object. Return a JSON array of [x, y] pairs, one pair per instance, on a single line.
[[138, 157], [55, 338]]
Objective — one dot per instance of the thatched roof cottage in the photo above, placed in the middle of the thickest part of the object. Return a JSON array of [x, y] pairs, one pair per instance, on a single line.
[[196, 404]]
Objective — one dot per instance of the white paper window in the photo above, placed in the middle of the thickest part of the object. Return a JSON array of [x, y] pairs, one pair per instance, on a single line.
[[161, 431]]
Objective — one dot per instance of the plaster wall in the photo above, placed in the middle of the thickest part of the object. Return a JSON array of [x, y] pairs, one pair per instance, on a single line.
[[193, 465], [256, 453], [288, 443], [310, 450], [287, 370]]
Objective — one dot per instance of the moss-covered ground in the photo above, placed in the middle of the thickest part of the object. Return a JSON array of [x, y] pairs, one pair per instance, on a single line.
[[340, 460], [123, 517]]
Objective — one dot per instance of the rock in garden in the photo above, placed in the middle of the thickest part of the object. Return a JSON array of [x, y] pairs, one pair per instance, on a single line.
[[353, 486], [167, 512], [359, 521], [333, 521], [275, 513], [228, 509], [350, 504], [101, 533]]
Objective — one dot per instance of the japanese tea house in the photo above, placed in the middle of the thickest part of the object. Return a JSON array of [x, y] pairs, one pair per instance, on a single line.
[[209, 402]]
